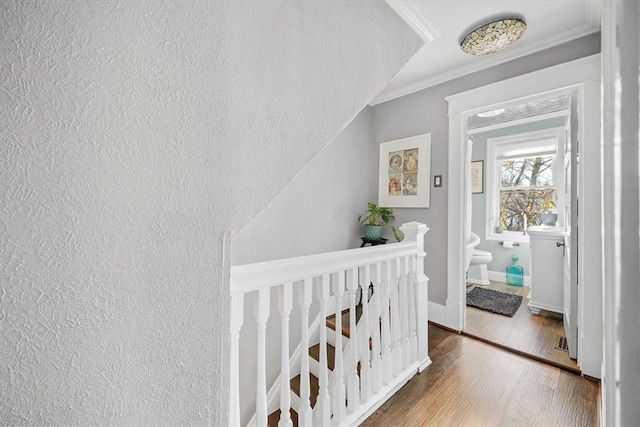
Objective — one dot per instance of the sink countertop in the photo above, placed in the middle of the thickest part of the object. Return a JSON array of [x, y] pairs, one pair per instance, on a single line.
[[546, 231]]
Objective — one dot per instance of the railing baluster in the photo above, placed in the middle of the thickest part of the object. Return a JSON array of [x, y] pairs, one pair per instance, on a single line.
[[365, 365], [413, 338], [404, 307], [395, 318], [376, 357], [339, 392], [237, 317], [353, 384], [261, 313], [304, 410], [322, 411], [285, 306], [387, 365]]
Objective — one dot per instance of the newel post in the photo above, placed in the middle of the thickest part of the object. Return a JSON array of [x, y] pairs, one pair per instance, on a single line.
[[414, 232]]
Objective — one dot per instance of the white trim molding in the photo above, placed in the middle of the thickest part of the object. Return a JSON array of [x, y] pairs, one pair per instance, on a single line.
[[437, 313], [416, 20], [583, 74], [611, 400], [492, 171], [487, 62]]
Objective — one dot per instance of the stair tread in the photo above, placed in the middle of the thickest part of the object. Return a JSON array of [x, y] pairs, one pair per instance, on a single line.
[[346, 318], [314, 387], [314, 352]]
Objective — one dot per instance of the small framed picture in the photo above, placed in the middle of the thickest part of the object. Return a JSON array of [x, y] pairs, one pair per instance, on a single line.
[[477, 177]]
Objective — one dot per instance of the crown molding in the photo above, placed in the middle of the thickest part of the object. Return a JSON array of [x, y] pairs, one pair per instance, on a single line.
[[416, 20], [488, 62]]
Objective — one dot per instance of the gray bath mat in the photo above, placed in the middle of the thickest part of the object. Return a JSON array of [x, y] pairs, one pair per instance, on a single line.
[[494, 301]]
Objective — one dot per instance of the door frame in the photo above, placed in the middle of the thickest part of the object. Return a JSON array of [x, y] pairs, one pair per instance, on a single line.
[[584, 75], [620, 47]]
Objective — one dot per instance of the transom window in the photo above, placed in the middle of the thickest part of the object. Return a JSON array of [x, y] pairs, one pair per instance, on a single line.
[[523, 177]]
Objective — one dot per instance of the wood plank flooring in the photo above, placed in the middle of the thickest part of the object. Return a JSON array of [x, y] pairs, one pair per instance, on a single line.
[[534, 334], [471, 383]]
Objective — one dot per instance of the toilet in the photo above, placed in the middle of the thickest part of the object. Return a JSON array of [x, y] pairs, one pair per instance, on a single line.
[[477, 272]]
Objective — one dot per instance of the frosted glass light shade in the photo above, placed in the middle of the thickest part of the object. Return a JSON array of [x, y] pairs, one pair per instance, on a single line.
[[493, 36]]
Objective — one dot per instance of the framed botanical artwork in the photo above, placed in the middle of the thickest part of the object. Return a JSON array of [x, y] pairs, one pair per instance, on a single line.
[[477, 177], [404, 171]]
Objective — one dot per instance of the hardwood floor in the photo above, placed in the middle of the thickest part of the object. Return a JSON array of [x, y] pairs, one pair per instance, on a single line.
[[533, 334], [471, 383]]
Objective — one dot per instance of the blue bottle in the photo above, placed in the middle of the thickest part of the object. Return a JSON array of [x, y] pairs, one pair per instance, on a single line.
[[514, 272]]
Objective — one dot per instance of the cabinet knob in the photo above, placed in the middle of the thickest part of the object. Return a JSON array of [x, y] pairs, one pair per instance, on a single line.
[[558, 244]]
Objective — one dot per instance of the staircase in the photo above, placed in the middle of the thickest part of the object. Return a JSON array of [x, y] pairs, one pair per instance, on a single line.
[[358, 350], [314, 360]]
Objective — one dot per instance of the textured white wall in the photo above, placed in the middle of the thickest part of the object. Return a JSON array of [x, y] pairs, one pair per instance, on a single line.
[[136, 136]]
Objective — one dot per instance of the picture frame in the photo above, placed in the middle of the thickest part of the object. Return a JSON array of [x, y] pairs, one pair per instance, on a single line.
[[404, 172], [477, 177]]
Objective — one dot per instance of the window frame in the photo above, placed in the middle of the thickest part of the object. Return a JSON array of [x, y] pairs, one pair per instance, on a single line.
[[492, 165]]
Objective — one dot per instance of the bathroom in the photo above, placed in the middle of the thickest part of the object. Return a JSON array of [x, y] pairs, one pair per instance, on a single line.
[[534, 131], [479, 220]]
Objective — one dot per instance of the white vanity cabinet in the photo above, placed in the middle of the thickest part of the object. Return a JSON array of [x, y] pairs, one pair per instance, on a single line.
[[547, 268]]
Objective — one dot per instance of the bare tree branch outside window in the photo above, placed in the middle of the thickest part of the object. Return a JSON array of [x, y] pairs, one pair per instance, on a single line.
[[526, 186]]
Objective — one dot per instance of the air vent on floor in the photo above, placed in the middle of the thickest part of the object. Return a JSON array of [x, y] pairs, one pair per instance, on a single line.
[[562, 344]]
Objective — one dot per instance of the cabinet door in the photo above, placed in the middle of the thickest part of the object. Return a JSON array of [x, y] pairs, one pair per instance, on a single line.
[[547, 275]]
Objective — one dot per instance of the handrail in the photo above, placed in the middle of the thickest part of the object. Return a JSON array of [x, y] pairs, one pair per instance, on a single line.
[[252, 277]]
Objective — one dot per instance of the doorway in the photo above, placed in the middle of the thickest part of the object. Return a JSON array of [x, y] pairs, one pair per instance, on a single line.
[[582, 75], [521, 151]]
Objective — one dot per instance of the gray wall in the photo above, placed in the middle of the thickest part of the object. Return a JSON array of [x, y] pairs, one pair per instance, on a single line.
[[426, 112], [318, 211], [501, 256]]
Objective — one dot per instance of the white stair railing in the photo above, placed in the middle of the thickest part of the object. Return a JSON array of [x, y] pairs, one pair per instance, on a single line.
[[387, 346]]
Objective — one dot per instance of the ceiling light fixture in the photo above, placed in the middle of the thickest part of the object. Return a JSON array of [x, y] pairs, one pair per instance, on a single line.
[[494, 36]]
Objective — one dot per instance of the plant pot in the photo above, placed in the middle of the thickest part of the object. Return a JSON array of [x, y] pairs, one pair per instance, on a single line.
[[549, 218], [372, 232]]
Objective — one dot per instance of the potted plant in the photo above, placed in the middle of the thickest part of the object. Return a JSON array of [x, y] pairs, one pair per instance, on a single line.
[[374, 218], [548, 217]]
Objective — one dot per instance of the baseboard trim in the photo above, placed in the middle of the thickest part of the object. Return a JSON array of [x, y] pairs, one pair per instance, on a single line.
[[501, 276], [437, 313], [424, 365], [380, 398]]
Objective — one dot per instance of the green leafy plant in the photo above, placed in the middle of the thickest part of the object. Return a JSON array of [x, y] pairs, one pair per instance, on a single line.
[[378, 215], [547, 205]]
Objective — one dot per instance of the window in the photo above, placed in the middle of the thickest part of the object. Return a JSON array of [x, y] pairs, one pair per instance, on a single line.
[[524, 176]]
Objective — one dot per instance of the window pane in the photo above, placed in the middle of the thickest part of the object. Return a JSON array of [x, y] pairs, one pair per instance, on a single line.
[[527, 172], [517, 204]]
